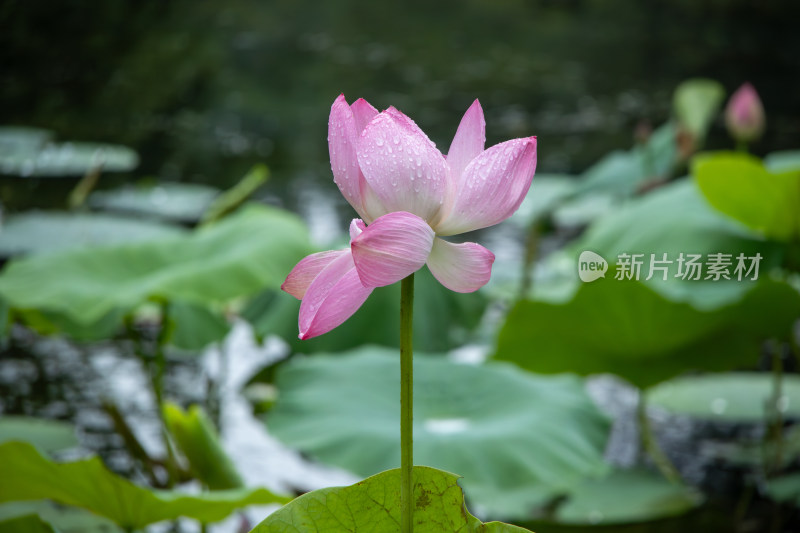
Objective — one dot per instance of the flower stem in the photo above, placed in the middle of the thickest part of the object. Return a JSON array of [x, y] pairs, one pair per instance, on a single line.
[[406, 405]]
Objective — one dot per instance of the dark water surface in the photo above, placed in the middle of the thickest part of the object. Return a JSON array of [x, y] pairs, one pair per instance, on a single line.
[[204, 90]]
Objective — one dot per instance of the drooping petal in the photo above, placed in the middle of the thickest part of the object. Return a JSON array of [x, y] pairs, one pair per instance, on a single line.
[[344, 128], [492, 187], [334, 295], [464, 267], [304, 272], [391, 248], [468, 142], [402, 165]]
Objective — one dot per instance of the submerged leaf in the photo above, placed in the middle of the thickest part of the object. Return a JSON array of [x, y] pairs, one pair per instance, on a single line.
[[89, 484], [47, 435], [373, 505]]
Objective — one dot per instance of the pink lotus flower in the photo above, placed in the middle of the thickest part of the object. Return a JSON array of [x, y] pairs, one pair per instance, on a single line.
[[744, 115], [409, 196]]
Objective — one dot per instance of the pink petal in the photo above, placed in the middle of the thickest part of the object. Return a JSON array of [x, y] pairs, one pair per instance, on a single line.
[[464, 267], [363, 112], [402, 165], [391, 248], [356, 227], [344, 128], [492, 187], [304, 272], [334, 295], [468, 142]]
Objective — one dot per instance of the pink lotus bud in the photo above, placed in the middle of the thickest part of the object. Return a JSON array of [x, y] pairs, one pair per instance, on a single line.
[[744, 115]]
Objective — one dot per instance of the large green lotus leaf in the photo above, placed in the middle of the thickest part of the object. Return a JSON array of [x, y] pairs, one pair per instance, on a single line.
[[52, 323], [618, 172], [88, 484], [373, 505], [674, 219], [183, 202], [518, 439], [241, 255], [42, 231], [22, 139], [27, 523], [785, 488], [627, 329], [783, 161], [65, 159], [47, 435], [626, 496], [198, 440], [582, 210], [63, 518], [739, 186], [443, 319], [547, 192], [193, 327], [696, 103], [621, 173], [5, 319], [735, 397], [660, 153]]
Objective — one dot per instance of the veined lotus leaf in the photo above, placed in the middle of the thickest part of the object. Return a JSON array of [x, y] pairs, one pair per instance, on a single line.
[[27, 475], [625, 328], [518, 439], [239, 256], [373, 505]]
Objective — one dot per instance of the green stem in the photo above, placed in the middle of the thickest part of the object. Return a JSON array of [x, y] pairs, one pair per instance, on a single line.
[[157, 376], [741, 146], [775, 416], [650, 444], [406, 405], [531, 251]]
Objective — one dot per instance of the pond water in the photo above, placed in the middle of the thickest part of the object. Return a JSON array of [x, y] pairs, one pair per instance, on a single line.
[[203, 92]]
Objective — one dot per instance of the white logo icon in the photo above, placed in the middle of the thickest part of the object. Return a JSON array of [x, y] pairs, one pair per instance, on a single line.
[[591, 266]]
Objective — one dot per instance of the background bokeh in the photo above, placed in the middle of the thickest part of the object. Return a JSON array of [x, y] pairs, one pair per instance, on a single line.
[[141, 317], [204, 90]]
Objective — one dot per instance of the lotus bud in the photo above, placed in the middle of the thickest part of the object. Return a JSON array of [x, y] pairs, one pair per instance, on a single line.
[[744, 115]]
